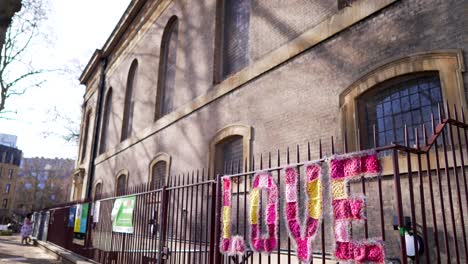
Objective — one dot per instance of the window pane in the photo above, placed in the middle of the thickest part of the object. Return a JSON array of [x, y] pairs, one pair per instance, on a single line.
[[168, 66], [229, 155], [98, 191], [159, 175], [121, 185], [235, 36], [405, 100]]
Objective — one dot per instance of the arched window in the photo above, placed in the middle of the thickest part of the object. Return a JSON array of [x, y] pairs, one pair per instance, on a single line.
[[159, 170], [159, 174], [84, 143], [121, 184], [407, 99], [167, 69], [229, 155], [105, 121], [233, 20], [129, 103], [98, 191], [229, 149]]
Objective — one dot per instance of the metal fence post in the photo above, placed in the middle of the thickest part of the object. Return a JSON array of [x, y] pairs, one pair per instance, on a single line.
[[399, 205], [215, 257], [162, 250]]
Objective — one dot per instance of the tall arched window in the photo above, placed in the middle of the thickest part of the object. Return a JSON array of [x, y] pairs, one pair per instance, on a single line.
[[105, 121], [129, 104], [233, 23], [167, 69], [84, 142], [407, 99], [121, 185]]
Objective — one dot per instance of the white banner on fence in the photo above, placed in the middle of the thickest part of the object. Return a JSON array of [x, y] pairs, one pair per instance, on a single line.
[[96, 209]]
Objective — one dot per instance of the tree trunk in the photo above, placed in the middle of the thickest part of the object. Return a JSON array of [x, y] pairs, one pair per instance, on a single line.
[[8, 8]]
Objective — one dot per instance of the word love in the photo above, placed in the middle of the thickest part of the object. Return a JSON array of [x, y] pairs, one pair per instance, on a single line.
[[347, 209]]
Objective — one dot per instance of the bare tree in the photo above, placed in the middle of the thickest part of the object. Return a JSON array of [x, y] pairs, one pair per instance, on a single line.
[[16, 70], [67, 127]]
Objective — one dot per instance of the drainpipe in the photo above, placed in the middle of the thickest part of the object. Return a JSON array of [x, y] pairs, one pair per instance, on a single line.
[[96, 130]]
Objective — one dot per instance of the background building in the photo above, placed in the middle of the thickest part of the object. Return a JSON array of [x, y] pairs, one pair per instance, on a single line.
[[10, 159], [8, 140], [42, 183]]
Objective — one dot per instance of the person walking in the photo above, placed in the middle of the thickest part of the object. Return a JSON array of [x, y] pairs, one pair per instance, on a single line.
[[26, 229]]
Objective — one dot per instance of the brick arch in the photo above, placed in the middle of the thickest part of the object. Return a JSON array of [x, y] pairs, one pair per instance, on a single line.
[[226, 132], [448, 63], [161, 156]]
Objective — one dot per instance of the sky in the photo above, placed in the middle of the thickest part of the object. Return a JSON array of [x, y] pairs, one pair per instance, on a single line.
[[74, 30]]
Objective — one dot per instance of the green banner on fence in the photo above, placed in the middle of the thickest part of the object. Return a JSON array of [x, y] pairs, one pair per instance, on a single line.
[[122, 215]]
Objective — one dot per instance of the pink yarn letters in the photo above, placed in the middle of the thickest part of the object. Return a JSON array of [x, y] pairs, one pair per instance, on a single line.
[[347, 209], [304, 233], [229, 245], [268, 242]]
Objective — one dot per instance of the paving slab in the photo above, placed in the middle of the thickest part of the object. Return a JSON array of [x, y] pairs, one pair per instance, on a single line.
[[11, 251]]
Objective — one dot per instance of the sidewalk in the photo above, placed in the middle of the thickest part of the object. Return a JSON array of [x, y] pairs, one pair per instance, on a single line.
[[11, 251]]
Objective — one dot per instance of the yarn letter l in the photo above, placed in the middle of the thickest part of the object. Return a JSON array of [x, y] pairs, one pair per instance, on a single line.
[[267, 242], [229, 245]]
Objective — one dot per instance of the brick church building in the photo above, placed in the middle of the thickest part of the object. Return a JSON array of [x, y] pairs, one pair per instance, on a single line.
[[181, 85]]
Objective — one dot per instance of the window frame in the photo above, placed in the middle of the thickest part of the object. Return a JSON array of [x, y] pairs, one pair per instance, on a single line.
[[103, 144], [219, 55], [121, 173], [448, 63], [232, 130], [98, 183], [160, 157], [129, 103], [172, 27], [396, 82], [84, 142]]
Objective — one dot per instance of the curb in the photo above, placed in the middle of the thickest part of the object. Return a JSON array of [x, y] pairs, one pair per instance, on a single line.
[[63, 255]]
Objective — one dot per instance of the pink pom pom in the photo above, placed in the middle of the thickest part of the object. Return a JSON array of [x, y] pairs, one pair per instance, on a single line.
[[359, 253], [238, 245], [312, 226], [341, 231], [344, 250], [270, 244], [375, 253], [291, 211], [271, 214], [225, 244], [341, 209], [313, 172], [258, 244], [337, 169], [357, 209], [370, 164], [290, 175], [295, 228], [352, 167], [303, 250]]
